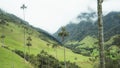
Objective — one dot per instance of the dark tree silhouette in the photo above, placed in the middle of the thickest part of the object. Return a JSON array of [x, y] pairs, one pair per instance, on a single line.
[[63, 34]]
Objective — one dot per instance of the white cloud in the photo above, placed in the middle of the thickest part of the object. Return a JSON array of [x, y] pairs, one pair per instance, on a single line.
[[51, 14]]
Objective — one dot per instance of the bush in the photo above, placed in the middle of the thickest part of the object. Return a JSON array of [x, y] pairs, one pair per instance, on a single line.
[[43, 60], [20, 53]]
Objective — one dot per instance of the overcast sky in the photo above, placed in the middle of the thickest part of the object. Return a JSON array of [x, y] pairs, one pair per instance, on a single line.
[[52, 14]]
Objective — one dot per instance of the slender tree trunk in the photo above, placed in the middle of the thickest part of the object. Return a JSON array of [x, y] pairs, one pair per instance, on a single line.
[[48, 60], [13, 61], [101, 35], [56, 52], [64, 52], [47, 63], [29, 49], [65, 57], [13, 66], [23, 7], [56, 56], [24, 43]]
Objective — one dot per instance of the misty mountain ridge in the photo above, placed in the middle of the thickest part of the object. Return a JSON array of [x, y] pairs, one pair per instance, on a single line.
[[87, 16], [83, 37], [88, 26]]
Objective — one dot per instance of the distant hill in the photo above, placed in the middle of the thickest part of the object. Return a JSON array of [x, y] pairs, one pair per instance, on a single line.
[[88, 26], [83, 36]]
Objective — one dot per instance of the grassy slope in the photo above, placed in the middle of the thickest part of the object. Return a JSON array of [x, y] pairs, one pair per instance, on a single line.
[[88, 42], [9, 59], [14, 40]]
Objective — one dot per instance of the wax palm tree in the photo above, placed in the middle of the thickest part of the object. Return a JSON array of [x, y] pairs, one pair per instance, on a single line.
[[23, 7], [101, 35], [63, 34]]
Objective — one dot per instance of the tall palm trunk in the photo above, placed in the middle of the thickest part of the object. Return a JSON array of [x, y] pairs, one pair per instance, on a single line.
[[64, 52], [56, 52], [101, 35], [24, 7], [24, 43], [63, 34], [29, 49]]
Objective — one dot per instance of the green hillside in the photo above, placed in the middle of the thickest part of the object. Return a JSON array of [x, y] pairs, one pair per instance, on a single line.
[[9, 59], [41, 40], [88, 42], [85, 47], [14, 41]]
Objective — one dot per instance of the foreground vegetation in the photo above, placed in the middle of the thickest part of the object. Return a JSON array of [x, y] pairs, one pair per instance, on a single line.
[[9, 59], [44, 60]]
